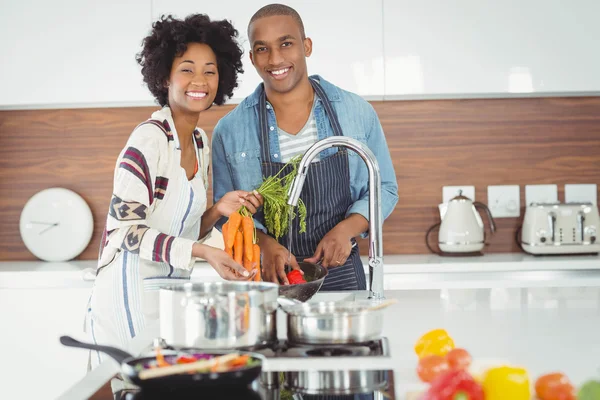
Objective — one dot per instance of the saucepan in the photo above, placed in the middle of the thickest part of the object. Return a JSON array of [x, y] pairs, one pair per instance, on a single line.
[[229, 315], [183, 368], [340, 322], [219, 315]]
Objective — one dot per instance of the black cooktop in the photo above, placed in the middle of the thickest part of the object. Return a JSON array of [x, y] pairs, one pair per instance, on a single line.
[[291, 385], [282, 349], [285, 385]]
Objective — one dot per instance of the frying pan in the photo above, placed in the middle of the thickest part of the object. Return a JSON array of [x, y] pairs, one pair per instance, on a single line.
[[239, 377], [314, 274]]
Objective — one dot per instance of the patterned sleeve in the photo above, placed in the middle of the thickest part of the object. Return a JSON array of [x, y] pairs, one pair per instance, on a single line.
[[137, 186]]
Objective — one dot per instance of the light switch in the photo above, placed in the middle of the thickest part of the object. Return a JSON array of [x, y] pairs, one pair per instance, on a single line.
[[504, 201], [449, 192], [581, 193], [541, 194]]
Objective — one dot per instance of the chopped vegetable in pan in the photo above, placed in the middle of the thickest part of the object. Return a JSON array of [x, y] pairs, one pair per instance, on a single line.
[[242, 361]]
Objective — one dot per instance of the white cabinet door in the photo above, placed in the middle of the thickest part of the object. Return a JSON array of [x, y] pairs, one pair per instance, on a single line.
[[455, 48], [347, 39], [72, 52], [36, 365]]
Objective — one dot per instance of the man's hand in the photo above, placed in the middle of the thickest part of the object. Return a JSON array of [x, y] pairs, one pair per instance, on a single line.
[[336, 245], [275, 258], [333, 249]]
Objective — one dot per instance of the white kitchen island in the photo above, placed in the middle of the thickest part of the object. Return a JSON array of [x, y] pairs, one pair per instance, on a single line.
[[547, 320], [540, 312]]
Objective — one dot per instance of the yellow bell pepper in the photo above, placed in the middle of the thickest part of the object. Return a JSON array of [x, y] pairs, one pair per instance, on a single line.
[[506, 382], [435, 342]]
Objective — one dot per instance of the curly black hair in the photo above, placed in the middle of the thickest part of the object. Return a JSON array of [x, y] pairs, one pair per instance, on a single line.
[[169, 39]]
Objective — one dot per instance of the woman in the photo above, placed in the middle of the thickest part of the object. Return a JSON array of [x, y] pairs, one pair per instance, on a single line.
[[157, 219]]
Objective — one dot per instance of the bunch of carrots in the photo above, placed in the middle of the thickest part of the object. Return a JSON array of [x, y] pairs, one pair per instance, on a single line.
[[239, 236]]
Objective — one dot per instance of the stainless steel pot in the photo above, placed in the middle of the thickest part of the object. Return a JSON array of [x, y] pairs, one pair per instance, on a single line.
[[223, 315], [336, 382], [333, 322]]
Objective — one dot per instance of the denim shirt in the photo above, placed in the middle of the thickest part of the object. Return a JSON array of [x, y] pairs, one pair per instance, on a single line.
[[237, 159]]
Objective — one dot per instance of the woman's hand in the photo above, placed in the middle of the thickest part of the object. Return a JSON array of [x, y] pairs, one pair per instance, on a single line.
[[225, 266], [232, 201]]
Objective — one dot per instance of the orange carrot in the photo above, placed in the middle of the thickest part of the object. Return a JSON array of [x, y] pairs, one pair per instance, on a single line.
[[238, 246], [248, 263], [225, 230], [240, 361], [248, 231], [235, 220], [256, 262], [160, 359]]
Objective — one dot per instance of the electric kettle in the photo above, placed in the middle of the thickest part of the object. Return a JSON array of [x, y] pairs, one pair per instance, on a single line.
[[461, 226]]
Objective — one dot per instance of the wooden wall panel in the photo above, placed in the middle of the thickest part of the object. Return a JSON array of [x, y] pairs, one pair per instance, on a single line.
[[433, 143]]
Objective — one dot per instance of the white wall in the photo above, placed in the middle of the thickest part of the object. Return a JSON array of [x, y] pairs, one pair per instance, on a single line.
[[473, 47], [70, 53]]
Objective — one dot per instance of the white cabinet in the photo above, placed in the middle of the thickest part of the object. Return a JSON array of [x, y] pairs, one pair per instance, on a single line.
[[36, 365], [347, 39], [71, 52], [457, 48]]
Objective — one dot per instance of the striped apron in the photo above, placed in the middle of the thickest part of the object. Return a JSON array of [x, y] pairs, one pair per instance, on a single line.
[[125, 297], [326, 193]]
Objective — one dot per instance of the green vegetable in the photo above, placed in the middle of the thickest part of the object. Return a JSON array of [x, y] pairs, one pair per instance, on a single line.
[[274, 191], [284, 394], [590, 390]]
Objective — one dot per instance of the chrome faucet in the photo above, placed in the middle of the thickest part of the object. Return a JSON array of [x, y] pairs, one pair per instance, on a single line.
[[375, 219]]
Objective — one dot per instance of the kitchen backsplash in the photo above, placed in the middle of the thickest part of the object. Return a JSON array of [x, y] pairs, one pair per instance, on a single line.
[[433, 143]]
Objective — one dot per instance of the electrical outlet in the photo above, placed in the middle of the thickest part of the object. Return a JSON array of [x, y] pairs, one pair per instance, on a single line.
[[449, 192], [541, 194], [581, 193], [504, 201]]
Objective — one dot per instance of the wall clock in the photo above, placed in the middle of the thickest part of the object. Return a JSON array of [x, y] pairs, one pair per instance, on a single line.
[[56, 224]]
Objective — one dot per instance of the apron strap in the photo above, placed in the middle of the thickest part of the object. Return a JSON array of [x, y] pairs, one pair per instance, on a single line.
[[263, 121]]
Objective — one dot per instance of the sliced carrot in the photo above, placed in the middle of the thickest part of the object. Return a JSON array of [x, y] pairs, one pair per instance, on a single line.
[[238, 247], [235, 220], [240, 361], [215, 367], [256, 262], [160, 359]]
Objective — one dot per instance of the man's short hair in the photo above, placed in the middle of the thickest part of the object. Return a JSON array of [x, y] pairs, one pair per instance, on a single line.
[[272, 10]]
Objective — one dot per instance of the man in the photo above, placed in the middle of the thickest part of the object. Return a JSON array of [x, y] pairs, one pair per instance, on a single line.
[[284, 116]]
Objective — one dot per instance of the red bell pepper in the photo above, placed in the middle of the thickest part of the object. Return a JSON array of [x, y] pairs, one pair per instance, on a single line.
[[295, 277], [454, 385]]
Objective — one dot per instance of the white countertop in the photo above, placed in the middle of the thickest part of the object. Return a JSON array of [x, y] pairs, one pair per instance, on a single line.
[[541, 329], [401, 271]]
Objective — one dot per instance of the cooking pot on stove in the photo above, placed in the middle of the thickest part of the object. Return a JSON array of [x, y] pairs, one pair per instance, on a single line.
[[327, 383], [334, 322], [219, 315]]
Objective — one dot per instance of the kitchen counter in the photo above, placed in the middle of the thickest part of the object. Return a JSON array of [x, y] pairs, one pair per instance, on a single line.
[[52, 298], [401, 271], [543, 328]]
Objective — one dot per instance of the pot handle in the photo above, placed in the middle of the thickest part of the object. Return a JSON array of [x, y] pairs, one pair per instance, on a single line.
[[287, 302], [116, 354]]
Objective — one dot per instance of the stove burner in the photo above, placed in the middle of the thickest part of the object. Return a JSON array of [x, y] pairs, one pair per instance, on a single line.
[[329, 352]]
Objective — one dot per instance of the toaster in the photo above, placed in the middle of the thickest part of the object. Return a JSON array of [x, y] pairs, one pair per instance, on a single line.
[[560, 228]]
